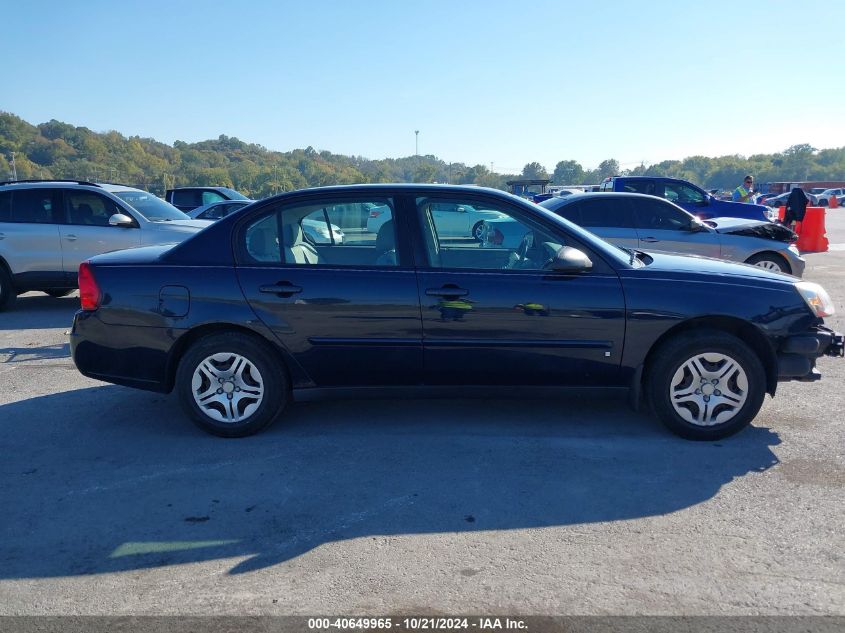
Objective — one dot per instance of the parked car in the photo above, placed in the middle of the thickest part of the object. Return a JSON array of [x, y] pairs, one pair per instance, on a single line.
[[823, 199], [780, 200], [639, 221], [249, 315], [216, 210], [688, 196], [47, 228], [189, 198]]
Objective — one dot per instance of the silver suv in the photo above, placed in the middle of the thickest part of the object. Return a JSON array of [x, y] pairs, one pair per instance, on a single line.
[[47, 228]]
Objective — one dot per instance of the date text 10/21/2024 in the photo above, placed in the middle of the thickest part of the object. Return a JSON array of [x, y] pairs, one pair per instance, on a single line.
[[417, 623]]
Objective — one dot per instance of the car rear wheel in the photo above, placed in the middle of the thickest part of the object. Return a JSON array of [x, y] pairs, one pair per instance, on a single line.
[[231, 384], [59, 292], [476, 230], [8, 292], [706, 385], [770, 261]]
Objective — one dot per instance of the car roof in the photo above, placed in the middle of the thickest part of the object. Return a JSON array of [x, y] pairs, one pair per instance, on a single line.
[[70, 184], [588, 195]]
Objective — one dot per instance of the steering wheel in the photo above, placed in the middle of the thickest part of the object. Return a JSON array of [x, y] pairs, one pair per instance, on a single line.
[[518, 257]]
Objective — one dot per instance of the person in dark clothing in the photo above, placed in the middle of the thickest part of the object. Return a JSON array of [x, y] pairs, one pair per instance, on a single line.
[[796, 207]]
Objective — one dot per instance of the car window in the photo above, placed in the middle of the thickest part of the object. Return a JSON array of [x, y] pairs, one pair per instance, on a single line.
[[682, 194], [468, 235], [210, 196], [87, 208], [312, 234], [640, 186], [186, 198], [611, 212], [571, 212], [28, 205], [655, 214]]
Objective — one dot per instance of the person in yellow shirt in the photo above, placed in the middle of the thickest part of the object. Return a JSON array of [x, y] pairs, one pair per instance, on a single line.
[[744, 192]]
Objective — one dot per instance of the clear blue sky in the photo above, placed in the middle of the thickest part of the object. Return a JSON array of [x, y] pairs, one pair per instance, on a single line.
[[484, 81]]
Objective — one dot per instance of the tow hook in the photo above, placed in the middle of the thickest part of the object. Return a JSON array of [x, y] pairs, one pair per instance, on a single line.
[[837, 346]]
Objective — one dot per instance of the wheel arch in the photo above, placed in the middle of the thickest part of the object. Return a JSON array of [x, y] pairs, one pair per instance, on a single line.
[[745, 331], [183, 343]]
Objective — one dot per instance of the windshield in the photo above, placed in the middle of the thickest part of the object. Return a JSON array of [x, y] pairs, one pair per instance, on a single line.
[[232, 194], [151, 207]]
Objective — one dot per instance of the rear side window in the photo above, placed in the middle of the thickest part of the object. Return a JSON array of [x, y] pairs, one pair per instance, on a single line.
[[641, 186], [187, 198], [571, 212], [33, 206], [211, 196], [605, 213]]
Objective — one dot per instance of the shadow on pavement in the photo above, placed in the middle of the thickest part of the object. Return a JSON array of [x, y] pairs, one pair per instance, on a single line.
[[35, 311], [109, 479]]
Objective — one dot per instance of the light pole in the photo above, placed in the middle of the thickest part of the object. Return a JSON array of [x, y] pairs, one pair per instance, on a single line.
[[416, 142]]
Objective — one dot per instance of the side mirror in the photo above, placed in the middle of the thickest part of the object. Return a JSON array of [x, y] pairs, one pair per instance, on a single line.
[[571, 260], [696, 226], [121, 219]]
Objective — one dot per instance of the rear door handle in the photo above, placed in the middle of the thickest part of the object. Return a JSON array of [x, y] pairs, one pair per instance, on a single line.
[[283, 289], [70, 238], [447, 292], [650, 239], [2, 236]]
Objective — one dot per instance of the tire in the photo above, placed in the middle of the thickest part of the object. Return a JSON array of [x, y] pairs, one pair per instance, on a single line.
[[705, 412], [58, 292], [8, 292], [476, 230], [246, 401], [770, 261]]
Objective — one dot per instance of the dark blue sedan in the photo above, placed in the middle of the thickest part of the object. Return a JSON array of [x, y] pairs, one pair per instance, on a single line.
[[251, 313]]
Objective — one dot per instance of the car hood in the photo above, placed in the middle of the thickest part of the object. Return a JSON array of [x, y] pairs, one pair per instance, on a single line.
[[681, 266], [183, 225], [752, 228]]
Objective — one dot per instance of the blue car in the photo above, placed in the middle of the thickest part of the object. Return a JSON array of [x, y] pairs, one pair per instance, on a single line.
[[248, 314], [686, 195]]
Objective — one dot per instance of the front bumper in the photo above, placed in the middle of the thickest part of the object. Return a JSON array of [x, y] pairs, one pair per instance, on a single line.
[[797, 354]]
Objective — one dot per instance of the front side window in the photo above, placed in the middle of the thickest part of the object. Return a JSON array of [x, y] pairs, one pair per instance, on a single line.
[[480, 236], [654, 214], [151, 207], [210, 196], [89, 209], [683, 194], [34, 206], [332, 233]]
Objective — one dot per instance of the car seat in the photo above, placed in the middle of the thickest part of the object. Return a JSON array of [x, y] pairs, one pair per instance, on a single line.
[[297, 250], [386, 245], [84, 214]]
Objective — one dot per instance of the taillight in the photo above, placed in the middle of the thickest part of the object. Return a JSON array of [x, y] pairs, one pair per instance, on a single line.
[[89, 291], [375, 214]]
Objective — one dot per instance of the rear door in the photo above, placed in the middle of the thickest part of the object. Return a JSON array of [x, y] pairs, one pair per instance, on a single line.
[[86, 230], [347, 311], [29, 236], [663, 227]]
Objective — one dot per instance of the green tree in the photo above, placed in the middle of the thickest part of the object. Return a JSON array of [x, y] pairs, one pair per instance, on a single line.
[[534, 171], [568, 172]]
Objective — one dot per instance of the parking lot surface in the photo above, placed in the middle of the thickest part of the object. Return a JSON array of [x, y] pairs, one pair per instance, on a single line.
[[113, 503]]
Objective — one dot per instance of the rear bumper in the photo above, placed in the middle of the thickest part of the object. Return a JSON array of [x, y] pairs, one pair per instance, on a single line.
[[797, 354]]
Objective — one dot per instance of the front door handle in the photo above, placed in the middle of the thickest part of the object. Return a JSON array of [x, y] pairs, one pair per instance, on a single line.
[[70, 238], [283, 289], [2, 236], [650, 240], [447, 291]]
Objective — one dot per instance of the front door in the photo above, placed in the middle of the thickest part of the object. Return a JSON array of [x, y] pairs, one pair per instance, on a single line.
[[663, 227], [494, 314], [347, 311], [87, 231]]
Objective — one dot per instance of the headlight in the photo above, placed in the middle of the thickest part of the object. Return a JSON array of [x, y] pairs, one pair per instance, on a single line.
[[816, 297]]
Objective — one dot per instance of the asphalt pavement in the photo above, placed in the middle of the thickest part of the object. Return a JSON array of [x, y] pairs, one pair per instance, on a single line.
[[113, 503]]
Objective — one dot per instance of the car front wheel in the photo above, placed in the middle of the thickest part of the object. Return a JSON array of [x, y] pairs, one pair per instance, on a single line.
[[231, 384], [706, 385], [770, 261]]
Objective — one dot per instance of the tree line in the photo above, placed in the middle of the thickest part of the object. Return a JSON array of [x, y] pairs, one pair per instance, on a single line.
[[60, 150]]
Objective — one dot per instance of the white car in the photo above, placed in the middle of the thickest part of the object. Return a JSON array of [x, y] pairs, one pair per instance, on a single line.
[[823, 199], [453, 220]]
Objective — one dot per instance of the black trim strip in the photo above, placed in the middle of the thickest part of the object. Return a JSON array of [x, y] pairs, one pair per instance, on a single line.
[[461, 342]]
